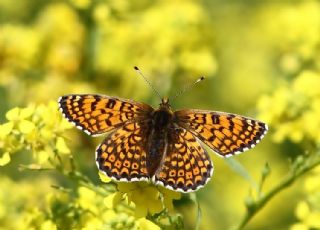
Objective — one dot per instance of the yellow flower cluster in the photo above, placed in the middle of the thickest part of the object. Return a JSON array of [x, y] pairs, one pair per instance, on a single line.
[[20, 204], [49, 209], [147, 198], [39, 129], [294, 109], [144, 199], [85, 39], [308, 209], [35, 128]]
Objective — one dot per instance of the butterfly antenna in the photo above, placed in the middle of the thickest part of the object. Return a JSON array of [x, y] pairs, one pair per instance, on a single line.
[[187, 87], [148, 82]]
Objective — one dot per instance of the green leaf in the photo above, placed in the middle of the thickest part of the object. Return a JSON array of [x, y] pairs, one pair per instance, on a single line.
[[238, 168], [193, 197]]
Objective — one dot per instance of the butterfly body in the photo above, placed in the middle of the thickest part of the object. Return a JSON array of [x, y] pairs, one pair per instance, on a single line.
[[160, 145], [161, 123]]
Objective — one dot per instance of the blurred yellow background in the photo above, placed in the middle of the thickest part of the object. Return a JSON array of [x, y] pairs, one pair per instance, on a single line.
[[261, 59]]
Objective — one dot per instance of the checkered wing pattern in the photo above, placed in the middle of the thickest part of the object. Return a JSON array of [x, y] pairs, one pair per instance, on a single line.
[[122, 155], [227, 134], [97, 114], [186, 165]]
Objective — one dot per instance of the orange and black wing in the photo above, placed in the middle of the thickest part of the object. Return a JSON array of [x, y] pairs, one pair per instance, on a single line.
[[225, 133], [122, 155], [97, 114], [186, 165]]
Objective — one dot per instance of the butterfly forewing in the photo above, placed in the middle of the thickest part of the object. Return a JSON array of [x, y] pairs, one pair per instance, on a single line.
[[97, 114], [122, 154], [186, 165], [225, 133]]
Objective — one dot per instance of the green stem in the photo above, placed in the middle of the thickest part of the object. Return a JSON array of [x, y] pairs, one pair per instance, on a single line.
[[256, 206]]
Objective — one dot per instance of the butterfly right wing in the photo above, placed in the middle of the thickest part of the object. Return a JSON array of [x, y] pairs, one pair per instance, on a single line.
[[225, 133], [97, 114], [186, 166], [122, 155]]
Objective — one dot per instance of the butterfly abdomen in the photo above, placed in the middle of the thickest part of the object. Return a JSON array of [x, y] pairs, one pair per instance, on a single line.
[[161, 120]]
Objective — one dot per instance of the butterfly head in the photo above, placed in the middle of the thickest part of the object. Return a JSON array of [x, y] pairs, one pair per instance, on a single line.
[[165, 103]]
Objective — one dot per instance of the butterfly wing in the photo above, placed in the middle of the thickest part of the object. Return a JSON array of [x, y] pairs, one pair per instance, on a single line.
[[97, 114], [186, 165], [122, 155], [225, 133]]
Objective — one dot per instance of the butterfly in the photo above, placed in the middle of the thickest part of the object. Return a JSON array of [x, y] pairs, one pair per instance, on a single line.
[[159, 145]]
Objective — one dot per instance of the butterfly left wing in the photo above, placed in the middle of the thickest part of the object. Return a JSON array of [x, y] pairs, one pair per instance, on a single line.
[[186, 166], [122, 155], [97, 114], [227, 134]]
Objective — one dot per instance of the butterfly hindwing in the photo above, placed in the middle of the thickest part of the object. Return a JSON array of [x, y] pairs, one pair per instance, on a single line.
[[97, 114], [225, 133], [186, 165], [122, 155]]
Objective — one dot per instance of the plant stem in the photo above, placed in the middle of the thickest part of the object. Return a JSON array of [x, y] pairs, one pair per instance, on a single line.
[[257, 205]]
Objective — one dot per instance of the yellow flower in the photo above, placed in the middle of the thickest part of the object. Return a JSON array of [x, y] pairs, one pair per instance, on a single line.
[[63, 52], [101, 12], [147, 197], [109, 200], [206, 63], [306, 82], [299, 226], [308, 209], [104, 178], [145, 224], [302, 210], [168, 197], [26, 126], [81, 4], [13, 114], [19, 45], [5, 159], [48, 225], [313, 220], [5, 129], [62, 146], [87, 199], [293, 109]]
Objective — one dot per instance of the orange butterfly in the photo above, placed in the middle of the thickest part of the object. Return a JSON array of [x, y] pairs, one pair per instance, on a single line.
[[159, 144]]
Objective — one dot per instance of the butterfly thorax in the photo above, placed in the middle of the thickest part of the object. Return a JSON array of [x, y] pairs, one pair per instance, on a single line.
[[162, 121]]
